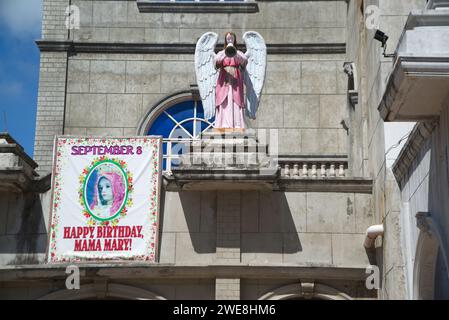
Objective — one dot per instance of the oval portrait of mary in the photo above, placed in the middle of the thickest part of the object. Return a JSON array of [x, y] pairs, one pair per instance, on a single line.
[[105, 190]]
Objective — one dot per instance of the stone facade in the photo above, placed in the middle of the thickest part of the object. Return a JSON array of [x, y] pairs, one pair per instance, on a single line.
[[303, 238], [421, 168], [368, 147]]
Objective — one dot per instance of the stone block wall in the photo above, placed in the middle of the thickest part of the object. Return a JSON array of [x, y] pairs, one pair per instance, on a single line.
[[23, 231], [304, 96], [301, 229], [277, 21], [107, 94]]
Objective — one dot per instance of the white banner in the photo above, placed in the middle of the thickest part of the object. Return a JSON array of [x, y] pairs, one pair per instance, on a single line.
[[105, 200]]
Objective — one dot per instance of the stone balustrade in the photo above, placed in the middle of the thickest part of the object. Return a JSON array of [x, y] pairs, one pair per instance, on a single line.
[[313, 168]]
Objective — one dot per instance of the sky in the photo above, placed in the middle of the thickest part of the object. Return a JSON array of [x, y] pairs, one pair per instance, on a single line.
[[20, 26]]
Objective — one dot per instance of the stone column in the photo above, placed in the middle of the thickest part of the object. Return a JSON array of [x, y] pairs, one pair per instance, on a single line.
[[228, 227], [52, 84], [228, 242], [50, 107]]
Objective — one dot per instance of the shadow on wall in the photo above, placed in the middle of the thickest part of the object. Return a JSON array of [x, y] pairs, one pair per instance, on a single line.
[[258, 222], [24, 235]]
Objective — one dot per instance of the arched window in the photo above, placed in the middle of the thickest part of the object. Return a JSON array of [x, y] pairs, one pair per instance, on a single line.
[[179, 124]]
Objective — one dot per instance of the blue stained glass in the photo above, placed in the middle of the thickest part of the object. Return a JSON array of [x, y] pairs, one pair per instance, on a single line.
[[188, 126], [162, 126], [204, 125], [179, 133], [181, 111], [166, 127]]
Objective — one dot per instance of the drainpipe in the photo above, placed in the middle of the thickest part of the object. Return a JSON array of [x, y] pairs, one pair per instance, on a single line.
[[371, 234]]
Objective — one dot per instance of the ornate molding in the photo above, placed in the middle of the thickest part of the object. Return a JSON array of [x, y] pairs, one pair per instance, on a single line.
[[110, 290], [255, 181], [74, 47], [305, 290], [343, 185], [409, 73], [296, 167], [420, 133]]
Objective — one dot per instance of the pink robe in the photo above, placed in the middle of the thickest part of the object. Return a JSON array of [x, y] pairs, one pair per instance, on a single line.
[[229, 99]]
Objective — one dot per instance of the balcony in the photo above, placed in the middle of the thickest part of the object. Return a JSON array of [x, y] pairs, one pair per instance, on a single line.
[[419, 83], [240, 161]]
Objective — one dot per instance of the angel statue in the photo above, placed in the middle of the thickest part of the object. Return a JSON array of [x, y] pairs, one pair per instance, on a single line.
[[222, 77]]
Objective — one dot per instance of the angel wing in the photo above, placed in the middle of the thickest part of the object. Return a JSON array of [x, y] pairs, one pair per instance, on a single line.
[[206, 73], [256, 52]]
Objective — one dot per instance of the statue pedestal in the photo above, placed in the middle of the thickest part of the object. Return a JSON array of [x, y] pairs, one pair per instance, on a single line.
[[233, 159]]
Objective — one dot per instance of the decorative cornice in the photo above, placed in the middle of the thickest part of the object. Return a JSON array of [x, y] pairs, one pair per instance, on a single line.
[[135, 270], [342, 185], [420, 133], [407, 67], [253, 181], [154, 6], [74, 47], [437, 4]]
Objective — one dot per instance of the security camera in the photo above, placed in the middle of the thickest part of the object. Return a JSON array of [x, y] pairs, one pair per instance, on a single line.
[[382, 37]]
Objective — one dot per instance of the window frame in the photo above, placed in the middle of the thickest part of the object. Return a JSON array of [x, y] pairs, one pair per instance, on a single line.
[[221, 6], [162, 107]]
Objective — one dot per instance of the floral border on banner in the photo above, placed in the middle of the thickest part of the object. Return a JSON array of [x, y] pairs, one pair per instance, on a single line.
[[56, 197]]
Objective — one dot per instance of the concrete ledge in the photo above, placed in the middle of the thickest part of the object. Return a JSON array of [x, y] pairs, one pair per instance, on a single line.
[[17, 169], [197, 7], [134, 270], [427, 18], [74, 47], [217, 179], [343, 185], [416, 89], [312, 157], [255, 181], [14, 147]]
